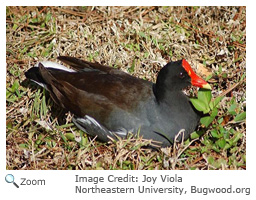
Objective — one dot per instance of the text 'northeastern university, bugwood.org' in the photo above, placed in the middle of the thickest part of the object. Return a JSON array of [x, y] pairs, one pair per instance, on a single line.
[[148, 184]]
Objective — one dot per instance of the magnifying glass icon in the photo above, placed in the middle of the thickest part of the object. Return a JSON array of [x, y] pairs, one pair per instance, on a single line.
[[9, 178]]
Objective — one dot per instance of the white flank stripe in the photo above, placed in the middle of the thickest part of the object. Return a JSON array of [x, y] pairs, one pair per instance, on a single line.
[[49, 64], [93, 121]]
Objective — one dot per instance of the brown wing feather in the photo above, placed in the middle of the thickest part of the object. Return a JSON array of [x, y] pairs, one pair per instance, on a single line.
[[82, 64], [96, 93]]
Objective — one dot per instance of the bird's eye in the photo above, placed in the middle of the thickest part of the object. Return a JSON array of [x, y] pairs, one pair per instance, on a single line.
[[181, 75]]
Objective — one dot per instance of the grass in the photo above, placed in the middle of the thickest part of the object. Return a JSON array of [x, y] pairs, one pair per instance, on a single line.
[[138, 40]]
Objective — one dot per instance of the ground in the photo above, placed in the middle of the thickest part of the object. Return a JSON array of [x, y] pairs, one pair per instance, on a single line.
[[137, 40]]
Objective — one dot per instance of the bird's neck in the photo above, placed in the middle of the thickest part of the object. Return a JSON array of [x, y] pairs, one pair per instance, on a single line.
[[171, 97]]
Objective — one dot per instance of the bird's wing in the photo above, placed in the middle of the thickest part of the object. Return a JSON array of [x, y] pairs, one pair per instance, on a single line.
[[93, 92]]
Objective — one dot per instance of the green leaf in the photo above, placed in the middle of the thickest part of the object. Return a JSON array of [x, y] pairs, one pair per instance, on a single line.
[[211, 105], [63, 138], [210, 159], [8, 93], [200, 105], [214, 133], [197, 134], [65, 125], [237, 137], [15, 26], [205, 96], [220, 69], [227, 146], [214, 112], [232, 109], [220, 120], [25, 146], [48, 17], [51, 143], [208, 77], [142, 34], [222, 130], [70, 136], [131, 69], [84, 139], [15, 86], [224, 75], [221, 143], [240, 117], [194, 135], [206, 121], [43, 108], [217, 100], [9, 124]]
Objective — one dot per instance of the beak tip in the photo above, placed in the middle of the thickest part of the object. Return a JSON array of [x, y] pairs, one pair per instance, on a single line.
[[207, 86]]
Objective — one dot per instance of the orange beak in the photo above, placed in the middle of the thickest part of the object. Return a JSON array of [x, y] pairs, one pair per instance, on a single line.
[[195, 80]]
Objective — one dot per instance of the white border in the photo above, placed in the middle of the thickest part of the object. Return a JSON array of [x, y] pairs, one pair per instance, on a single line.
[[60, 184], [126, 3]]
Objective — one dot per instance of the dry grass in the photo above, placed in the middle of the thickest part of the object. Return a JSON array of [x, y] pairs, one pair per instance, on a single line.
[[138, 40]]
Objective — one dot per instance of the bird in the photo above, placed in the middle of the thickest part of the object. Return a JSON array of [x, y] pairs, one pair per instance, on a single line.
[[108, 103]]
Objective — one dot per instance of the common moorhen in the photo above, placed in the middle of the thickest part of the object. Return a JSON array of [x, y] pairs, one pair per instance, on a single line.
[[107, 102]]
